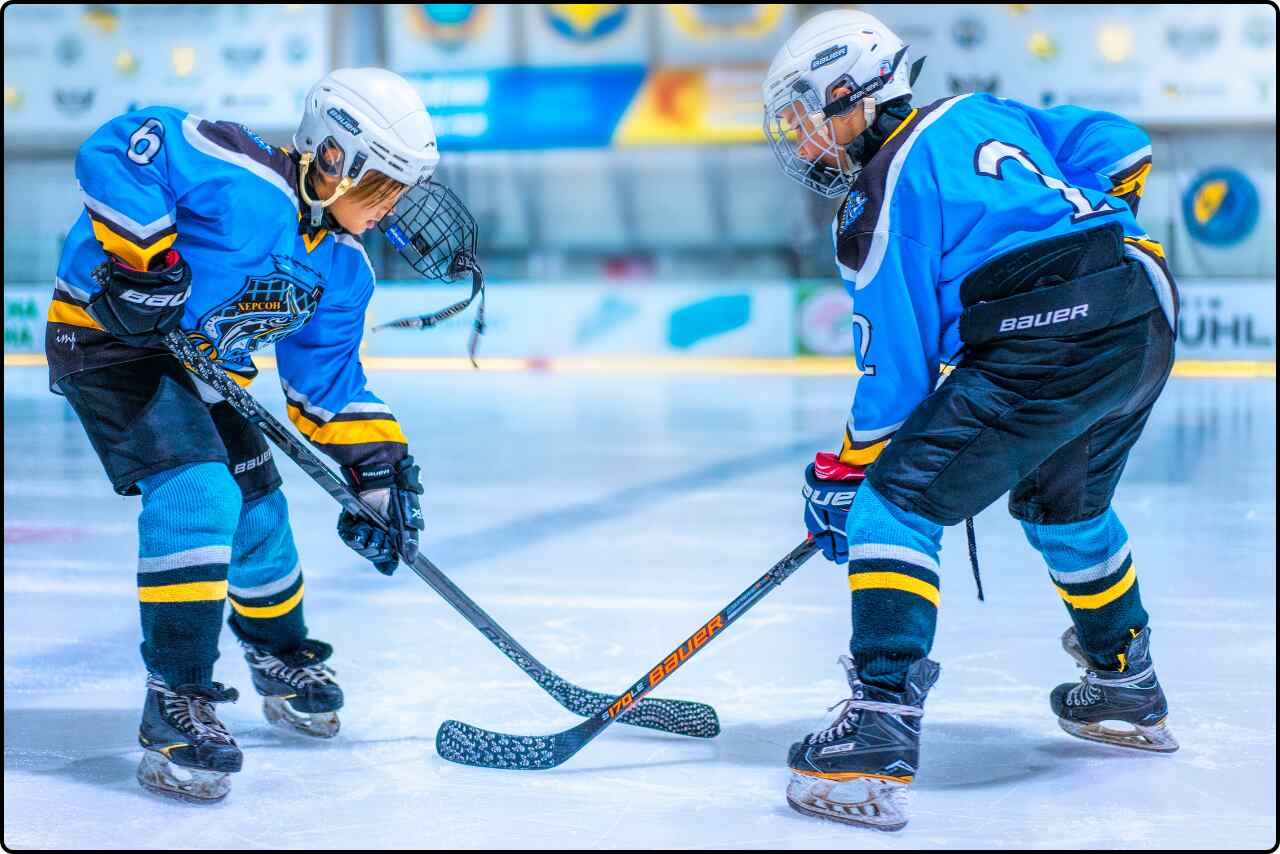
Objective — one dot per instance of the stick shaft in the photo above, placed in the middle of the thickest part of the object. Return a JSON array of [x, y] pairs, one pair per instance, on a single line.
[[677, 716], [471, 745]]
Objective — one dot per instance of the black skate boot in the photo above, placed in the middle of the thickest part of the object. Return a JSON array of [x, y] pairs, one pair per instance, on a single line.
[[857, 770], [1131, 696], [297, 687], [189, 753]]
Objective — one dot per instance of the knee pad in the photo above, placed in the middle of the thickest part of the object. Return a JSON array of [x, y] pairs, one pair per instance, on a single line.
[[1078, 546], [263, 551], [188, 507], [878, 529]]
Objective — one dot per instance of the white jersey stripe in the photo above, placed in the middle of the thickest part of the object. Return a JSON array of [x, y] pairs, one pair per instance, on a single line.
[[1125, 162], [880, 237], [198, 141], [137, 229]]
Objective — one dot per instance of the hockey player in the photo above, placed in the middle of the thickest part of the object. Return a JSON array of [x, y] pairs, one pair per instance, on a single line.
[[981, 230], [202, 226]]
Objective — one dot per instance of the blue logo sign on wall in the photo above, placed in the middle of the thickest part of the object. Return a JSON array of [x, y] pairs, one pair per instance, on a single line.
[[585, 22], [707, 318], [1220, 207], [609, 315], [449, 26]]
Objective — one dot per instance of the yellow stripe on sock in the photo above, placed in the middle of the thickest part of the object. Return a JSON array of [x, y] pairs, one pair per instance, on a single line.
[[893, 581], [266, 612], [1098, 600], [193, 591]]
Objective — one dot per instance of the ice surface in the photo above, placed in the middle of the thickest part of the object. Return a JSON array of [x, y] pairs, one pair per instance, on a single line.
[[601, 521]]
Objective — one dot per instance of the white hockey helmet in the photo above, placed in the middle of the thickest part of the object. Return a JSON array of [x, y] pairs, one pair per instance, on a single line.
[[358, 119], [840, 48]]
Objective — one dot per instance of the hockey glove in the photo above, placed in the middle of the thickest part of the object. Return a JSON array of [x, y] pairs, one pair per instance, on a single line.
[[141, 306], [393, 491], [828, 493]]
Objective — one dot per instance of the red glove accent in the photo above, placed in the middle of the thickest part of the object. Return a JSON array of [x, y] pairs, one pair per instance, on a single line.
[[170, 259], [827, 466]]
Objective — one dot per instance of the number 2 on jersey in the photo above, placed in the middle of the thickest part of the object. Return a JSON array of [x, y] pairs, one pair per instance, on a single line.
[[993, 153]]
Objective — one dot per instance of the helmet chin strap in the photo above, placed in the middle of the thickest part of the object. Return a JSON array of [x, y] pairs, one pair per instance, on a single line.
[[317, 207]]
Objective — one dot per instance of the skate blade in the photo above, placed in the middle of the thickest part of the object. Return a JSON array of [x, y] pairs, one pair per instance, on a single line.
[[314, 724], [157, 774], [1156, 738], [863, 802]]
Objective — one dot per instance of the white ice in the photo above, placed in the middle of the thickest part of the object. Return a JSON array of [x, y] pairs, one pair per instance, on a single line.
[[601, 520]]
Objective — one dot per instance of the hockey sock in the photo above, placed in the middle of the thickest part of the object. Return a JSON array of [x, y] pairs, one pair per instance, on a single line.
[[185, 530], [266, 578], [1092, 569], [893, 584]]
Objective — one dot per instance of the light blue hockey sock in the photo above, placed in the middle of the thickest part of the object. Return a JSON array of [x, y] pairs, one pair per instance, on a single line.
[[266, 578], [1091, 567], [185, 530]]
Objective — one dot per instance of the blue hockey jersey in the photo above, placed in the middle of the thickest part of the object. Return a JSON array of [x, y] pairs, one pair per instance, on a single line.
[[958, 183], [159, 178]]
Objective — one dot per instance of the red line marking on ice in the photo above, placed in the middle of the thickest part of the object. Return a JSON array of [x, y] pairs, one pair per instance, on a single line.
[[24, 534]]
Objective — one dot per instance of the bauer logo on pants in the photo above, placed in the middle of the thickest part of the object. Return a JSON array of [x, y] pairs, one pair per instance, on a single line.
[[1047, 318]]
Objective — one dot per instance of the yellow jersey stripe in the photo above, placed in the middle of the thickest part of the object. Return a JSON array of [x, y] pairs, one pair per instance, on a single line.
[[894, 581], [347, 432], [1149, 245], [861, 456], [72, 315], [1093, 601], [304, 424], [266, 612], [1137, 182], [911, 115], [193, 591], [138, 257]]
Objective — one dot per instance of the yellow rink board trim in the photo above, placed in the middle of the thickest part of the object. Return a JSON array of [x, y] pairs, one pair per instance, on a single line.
[[715, 365]]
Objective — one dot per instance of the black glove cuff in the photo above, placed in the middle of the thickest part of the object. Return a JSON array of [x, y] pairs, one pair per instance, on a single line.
[[401, 475]]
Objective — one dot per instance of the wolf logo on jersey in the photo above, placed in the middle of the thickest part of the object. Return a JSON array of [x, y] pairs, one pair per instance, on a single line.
[[269, 307]]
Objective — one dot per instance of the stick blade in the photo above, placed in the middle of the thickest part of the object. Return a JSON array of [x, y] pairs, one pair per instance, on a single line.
[[678, 717], [470, 745]]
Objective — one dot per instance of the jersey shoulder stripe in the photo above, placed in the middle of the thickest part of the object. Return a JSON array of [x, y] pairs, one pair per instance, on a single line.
[[861, 244], [231, 143]]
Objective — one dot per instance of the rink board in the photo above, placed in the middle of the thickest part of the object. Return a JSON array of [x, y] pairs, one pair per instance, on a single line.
[[1221, 319]]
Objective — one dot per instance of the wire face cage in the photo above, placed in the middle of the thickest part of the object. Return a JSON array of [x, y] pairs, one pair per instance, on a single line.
[[433, 230]]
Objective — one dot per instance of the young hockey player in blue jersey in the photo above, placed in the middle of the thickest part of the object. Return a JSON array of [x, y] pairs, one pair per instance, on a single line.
[[202, 226], [979, 231]]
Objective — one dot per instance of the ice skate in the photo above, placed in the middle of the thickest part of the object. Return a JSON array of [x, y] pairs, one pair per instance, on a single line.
[[297, 688], [1131, 697], [189, 753], [857, 770]]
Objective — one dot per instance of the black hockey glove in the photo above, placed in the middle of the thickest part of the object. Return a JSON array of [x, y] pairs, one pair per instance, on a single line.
[[141, 306], [392, 490]]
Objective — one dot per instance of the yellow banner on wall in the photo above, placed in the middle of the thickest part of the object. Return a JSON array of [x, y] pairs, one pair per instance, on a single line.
[[719, 104]]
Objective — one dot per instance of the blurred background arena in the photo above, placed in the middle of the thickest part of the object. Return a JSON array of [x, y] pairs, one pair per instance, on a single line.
[[635, 226], [613, 154]]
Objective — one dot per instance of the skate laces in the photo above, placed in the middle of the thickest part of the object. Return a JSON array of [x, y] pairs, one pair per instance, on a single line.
[[851, 708], [194, 712], [1089, 690], [318, 673]]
